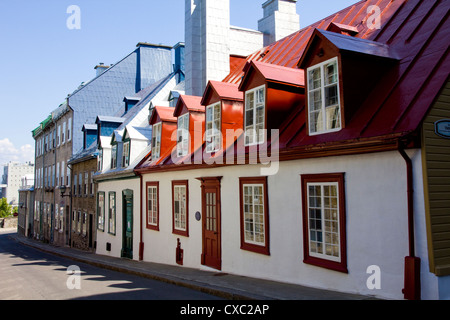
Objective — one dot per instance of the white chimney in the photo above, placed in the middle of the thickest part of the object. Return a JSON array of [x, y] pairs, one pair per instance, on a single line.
[[280, 20], [100, 68], [207, 49]]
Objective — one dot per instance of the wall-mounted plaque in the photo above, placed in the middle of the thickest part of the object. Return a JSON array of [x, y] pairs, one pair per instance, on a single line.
[[442, 128]]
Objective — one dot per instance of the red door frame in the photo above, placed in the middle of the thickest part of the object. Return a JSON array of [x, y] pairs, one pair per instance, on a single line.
[[211, 257]]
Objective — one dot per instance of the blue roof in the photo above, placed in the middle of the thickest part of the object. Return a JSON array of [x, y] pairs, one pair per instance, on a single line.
[[105, 93]]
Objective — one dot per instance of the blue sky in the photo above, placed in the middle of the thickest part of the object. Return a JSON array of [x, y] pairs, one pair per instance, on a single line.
[[41, 60]]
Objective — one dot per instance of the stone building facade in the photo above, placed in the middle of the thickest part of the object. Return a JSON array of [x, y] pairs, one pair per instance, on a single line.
[[82, 221]]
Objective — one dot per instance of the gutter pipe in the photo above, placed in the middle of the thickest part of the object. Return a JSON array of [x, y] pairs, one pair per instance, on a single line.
[[411, 290]]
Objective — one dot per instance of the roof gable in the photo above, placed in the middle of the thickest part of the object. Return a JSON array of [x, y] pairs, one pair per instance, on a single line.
[[217, 90], [345, 44], [271, 73], [164, 114], [188, 103]]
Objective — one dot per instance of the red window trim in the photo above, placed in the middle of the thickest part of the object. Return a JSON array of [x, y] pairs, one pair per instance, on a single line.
[[151, 226], [249, 246], [186, 184], [321, 262]]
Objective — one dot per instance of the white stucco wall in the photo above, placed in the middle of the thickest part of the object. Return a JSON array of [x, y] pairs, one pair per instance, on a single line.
[[104, 237], [376, 221]]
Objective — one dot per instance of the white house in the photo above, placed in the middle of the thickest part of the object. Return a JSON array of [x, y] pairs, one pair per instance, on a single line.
[[314, 166]]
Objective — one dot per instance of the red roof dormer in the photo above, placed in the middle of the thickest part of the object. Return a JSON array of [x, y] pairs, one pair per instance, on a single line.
[[271, 93], [355, 61], [163, 126], [224, 111], [191, 119]]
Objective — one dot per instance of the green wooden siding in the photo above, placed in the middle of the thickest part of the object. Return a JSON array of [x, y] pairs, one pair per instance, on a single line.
[[436, 165]]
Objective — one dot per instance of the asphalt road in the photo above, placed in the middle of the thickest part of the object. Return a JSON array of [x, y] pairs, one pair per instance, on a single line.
[[29, 274]]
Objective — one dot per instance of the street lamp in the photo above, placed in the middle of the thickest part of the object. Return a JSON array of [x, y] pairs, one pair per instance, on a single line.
[[63, 190]]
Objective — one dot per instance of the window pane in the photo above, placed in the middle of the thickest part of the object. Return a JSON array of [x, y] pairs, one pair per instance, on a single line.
[[331, 73], [323, 219], [333, 117], [260, 96], [314, 79], [254, 214], [254, 116], [323, 98], [331, 96], [249, 101], [248, 118], [315, 100]]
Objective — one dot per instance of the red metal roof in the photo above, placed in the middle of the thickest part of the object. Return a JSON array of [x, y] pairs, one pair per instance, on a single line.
[[162, 113], [276, 73], [418, 31], [192, 103], [224, 90], [287, 51]]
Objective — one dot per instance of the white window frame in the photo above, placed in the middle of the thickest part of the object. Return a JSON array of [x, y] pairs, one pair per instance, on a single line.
[[213, 135], [126, 154], [252, 131], [180, 216], [323, 115], [114, 156], [156, 141], [61, 219], [152, 205], [250, 217], [58, 138], [69, 129], [100, 160], [183, 135], [63, 133], [323, 227], [62, 177], [101, 210], [112, 213]]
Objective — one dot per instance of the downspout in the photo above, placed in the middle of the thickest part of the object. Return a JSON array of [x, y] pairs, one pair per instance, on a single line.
[[411, 290], [69, 214]]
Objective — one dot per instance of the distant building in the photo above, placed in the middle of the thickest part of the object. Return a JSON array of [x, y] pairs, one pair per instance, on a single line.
[[60, 135], [12, 179], [26, 205]]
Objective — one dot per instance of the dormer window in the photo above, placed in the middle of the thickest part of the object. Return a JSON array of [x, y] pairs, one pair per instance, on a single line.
[[183, 135], [323, 97], [113, 156], [126, 154], [213, 133], [100, 160], [254, 116], [156, 141]]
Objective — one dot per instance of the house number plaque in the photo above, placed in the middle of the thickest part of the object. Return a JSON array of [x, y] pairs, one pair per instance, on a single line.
[[442, 128]]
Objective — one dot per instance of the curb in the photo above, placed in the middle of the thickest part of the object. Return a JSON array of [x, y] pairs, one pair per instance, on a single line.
[[208, 289]]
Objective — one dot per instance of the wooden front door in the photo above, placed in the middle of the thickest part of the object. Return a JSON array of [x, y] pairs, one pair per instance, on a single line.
[[211, 223], [127, 227]]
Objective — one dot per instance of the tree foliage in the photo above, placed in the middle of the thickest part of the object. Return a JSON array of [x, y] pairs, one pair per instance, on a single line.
[[5, 208]]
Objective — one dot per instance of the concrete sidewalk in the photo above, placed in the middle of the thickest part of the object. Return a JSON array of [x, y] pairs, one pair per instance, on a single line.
[[227, 286]]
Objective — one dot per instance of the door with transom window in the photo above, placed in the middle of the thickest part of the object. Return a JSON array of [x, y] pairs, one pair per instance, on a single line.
[[211, 223]]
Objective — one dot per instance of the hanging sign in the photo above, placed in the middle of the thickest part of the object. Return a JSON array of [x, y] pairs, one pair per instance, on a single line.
[[442, 128]]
